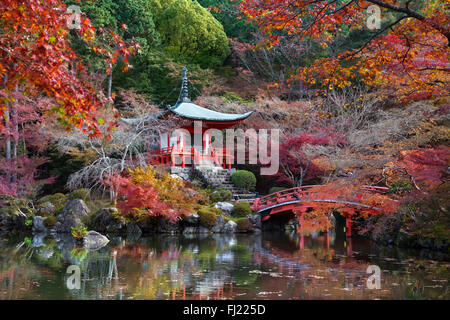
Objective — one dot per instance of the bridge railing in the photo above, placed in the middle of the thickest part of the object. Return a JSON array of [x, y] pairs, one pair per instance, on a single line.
[[286, 195], [296, 193]]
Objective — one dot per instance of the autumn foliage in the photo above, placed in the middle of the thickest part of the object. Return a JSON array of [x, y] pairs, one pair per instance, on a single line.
[[297, 164], [36, 58], [142, 194], [425, 168], [407, 55]]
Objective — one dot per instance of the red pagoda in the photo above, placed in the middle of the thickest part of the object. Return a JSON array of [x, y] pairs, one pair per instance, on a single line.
[[173, 148]]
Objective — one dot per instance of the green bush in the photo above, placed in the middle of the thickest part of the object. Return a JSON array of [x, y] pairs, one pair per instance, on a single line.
[[244, 225], [50, 222], [244, 179], [55, 199], [207, 216], [220, 195], [241, 209], [82, 194], [276, 189]]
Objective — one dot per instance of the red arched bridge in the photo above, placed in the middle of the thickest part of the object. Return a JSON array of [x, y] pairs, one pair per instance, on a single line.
[[299, 200]]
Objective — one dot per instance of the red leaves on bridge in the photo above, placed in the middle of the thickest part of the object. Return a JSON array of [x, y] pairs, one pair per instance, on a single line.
[[347, 197]]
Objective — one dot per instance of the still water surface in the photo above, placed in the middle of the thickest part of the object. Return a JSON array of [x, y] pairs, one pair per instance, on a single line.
[[267, 266]]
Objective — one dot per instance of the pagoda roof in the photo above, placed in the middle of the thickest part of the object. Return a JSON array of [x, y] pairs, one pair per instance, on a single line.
[[189, 110], [184, 108]]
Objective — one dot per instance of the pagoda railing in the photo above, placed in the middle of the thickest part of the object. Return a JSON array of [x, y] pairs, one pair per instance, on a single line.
[[171, 155]]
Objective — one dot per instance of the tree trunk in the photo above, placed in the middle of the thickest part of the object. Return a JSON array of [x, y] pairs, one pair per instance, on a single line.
[[109, 84]]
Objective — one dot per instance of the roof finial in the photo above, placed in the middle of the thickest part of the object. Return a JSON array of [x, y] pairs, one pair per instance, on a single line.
[[184, 87]]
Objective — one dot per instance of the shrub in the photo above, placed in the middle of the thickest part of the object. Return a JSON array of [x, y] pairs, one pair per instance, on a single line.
[[244, 179], [207, 216], [55, 199], [50, 222], [241, 209], [142, 193], [244, 225], [82, 194], [276, 189], [79, 232], [220, 195]]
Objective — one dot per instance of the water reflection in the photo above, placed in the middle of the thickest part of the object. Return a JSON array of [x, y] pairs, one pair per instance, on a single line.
[[267, 266]]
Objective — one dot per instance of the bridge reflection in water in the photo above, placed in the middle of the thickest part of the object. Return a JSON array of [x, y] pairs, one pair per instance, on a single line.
[[267, 266]]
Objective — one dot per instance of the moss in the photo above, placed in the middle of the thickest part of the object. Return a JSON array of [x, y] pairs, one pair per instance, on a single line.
[[50, 222], [244, 225], [220, 195], [241, 209], [207, 216], [58, 200], [54, 199], [82, 194]]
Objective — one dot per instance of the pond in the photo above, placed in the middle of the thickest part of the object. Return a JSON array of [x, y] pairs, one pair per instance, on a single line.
[[265, 266]]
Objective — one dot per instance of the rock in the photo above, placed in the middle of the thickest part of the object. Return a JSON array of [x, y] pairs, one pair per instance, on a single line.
[[94, 241], [148, 226], [227, 208], [38, 240], [107, 220], [71, 216], [14, 222], [45, 252], [189, 230], [38, 225], [192, 219], [220, 223], [76, 207], [256, 230], [230, 227], [169, 227], [133, 230], [255, 220], [46, 209], [203, 230]]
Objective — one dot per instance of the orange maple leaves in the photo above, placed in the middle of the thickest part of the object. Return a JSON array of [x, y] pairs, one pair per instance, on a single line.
[[409, 56], [35, 55]]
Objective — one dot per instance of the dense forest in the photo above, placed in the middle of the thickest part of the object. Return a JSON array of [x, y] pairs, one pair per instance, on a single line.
[[355, 105]]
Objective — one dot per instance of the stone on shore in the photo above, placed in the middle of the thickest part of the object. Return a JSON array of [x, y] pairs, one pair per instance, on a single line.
[[71, 216], [94, 241]]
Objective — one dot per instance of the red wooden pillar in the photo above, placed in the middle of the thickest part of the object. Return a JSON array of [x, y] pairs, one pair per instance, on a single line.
[[183, 158], [302, 242], [348, 226], [349, 247], [348, 213]]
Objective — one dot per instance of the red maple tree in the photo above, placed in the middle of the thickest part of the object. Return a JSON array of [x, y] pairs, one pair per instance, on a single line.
[[408, 55]]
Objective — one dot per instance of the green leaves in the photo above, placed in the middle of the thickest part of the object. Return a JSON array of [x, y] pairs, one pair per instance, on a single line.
[[190, 31]]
